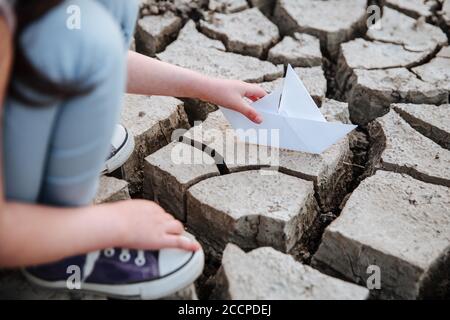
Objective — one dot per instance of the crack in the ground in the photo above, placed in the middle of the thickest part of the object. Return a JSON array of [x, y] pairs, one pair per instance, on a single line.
[[431, 55], [425, 128], [225, 40], [412, 172], [415, 15], [416, 75], [218, 158], [379, 141], [312, 240]]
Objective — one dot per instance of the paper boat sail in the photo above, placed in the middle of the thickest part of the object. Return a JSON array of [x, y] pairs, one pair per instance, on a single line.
[[292, 112]]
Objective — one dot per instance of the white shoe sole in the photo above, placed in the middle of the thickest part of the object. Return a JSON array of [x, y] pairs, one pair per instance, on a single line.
[[120, 157], [154, 289]]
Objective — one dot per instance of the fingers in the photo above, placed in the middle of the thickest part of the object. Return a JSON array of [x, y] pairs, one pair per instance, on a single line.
[[174, 227], [180, 242], [254, 92], [249, 112], [167, 216], [174, 237]]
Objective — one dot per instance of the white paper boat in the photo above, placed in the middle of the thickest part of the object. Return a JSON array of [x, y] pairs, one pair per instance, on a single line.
[[290, 109]]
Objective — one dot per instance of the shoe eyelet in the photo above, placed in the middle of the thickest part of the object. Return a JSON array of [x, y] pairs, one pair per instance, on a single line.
[[139, 261], [109, 252], [125, 257]]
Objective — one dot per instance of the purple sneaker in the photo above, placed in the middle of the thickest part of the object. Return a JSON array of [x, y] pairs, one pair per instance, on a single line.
[[123, 273]]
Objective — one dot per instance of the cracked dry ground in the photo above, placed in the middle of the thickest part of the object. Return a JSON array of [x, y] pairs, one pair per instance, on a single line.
[[310, 227]]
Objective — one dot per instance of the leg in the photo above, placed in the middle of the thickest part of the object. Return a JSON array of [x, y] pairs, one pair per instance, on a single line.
[[59, 150], [26, 136], [122, 144]]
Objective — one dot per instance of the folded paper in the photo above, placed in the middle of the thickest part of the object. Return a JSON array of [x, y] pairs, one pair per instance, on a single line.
[[293, 115]]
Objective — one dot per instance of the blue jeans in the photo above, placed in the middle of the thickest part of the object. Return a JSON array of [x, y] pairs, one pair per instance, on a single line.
[[54, 154]]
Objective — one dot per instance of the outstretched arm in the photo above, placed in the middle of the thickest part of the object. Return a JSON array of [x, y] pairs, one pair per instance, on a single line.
[[153, 77]]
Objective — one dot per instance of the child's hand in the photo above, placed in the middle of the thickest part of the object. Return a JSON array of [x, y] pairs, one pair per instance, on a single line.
[[149, 227], [231, 93]]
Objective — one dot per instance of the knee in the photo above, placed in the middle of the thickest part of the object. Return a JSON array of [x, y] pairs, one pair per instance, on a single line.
[[84, 53]]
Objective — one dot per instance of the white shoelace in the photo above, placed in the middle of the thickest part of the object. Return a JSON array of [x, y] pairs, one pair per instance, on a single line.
[[125, 256]]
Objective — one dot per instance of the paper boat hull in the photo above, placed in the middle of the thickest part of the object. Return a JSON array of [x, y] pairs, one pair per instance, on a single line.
[[288, 133], [291, 120]]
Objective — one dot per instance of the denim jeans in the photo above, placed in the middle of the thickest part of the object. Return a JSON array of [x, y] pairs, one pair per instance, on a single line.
[[53, 154]]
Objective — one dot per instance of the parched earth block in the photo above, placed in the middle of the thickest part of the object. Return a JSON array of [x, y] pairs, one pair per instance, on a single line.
[[171, 170], [265, 273], [189, 36], [413, 8], [414, 35], [394, 226], [111, 189], [335, 111], [430, 120], [344, 20], [371, 92], [151, 120], [154, 32], [369, 55], [436, 71], [251, 209], [398, 147], [300, 50], [247, 32]]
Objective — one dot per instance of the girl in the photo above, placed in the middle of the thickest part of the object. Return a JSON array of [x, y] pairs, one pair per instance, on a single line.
[[60, 102]]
